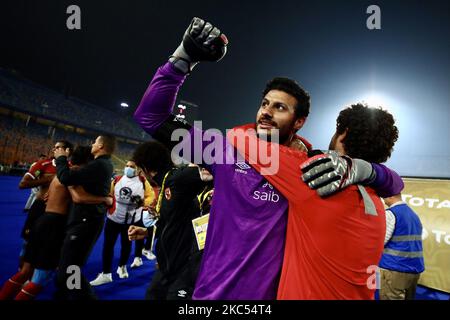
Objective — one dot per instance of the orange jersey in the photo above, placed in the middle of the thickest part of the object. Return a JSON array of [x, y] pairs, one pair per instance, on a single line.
[[330, 242]]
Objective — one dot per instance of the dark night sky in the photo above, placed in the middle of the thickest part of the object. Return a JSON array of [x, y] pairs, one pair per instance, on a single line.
[[324, 45]]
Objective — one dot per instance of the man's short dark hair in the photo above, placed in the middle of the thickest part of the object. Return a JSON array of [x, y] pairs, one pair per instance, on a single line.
[[152, 156], [109, 143], [81, 155], [66, 144], [294, 89], [371, 132]]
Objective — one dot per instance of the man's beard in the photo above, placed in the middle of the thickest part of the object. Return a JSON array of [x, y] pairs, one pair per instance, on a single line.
[[273, 135]]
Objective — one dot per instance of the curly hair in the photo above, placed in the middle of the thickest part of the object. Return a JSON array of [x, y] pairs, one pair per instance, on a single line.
[[371, 132], [152, 156], [293, 88]]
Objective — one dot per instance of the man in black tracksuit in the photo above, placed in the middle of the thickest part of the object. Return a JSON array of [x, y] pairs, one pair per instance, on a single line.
[[175, 276], [85, 221]]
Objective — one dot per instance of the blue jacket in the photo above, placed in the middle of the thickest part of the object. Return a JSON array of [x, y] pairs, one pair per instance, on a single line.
[[403, 252]]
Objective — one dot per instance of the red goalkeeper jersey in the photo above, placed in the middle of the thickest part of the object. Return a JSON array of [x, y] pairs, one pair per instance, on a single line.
[[332, 244]]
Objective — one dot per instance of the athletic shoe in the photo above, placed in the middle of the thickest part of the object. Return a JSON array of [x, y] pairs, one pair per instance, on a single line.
[[122, 272], [102, 278], [148, 254], [137, 262]]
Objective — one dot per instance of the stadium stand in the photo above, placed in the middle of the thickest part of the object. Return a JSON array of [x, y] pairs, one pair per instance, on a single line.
[[32, 118], [25, 96]]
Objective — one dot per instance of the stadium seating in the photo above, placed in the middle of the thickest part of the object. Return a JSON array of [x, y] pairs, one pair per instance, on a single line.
[[23, 95]]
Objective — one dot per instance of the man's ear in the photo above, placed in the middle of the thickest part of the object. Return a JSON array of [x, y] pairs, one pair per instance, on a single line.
[[299, 123], [340, 138], [340, 145]]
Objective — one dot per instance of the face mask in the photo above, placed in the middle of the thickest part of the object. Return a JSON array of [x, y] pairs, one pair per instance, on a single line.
[[148, 219], [129, 172]]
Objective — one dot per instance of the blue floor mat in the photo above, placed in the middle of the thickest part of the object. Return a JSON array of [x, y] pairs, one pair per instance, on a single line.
[[12, 217]]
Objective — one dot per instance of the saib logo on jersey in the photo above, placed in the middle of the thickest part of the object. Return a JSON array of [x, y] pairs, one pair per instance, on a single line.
[[267, 194]]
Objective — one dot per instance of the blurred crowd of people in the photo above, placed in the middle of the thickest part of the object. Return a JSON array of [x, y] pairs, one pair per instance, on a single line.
[[23, 141]]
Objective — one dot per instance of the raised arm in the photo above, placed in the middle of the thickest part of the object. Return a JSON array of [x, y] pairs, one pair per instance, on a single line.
[[157, 103], [201, 42]]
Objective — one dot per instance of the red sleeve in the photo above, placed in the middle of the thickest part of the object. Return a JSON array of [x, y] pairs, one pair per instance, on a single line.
[[36, 169], [286, 174], [117, 179]]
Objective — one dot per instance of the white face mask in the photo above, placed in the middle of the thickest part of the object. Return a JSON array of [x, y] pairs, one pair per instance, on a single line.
[[129, 172]]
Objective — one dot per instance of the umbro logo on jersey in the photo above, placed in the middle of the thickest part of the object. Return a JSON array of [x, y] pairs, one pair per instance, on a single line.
[[242, 165]]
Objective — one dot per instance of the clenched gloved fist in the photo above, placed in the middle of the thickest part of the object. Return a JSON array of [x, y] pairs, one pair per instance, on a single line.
[[330, 172], [201, 42]]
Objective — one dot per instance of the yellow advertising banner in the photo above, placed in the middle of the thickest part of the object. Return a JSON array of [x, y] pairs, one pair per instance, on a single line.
[[430, 199]]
